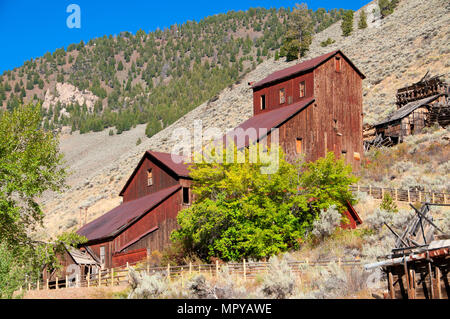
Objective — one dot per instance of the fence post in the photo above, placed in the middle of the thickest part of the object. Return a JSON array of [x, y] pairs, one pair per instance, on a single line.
[[370, 190], [37, 284], [168, 271], [190, 267], [46, 284], [434, 201], [358, 187], [89, 277], [148, 264], [77, 280], [29, 286], [245, 270], [112, 277], [420, 196], [339, 262], [67, 281], [100, 277], [217, 267], [57, 283], [409, 196], [382, 192]]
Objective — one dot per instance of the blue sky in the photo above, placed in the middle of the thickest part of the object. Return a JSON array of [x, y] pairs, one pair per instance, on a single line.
[[28, 29]]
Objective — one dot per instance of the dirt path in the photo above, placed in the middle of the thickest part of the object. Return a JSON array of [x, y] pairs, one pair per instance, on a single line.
[[79, 293]]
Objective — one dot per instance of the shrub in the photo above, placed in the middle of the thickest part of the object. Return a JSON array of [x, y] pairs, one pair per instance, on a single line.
[[377, 219], [279, 283], [326, 224], [147, 287], [327, 42], [362, 24], [388, 204]]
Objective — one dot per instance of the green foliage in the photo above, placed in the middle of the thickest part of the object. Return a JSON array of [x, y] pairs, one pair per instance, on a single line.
[[347, 23], [326, 182], [299, 35], [362, 23], [327, 42], [388, 204], [242, 213], [30, 163], [387, 7]]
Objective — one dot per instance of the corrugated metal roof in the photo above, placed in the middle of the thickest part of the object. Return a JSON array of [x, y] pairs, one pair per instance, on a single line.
[[167, 160], [176, 163], [118, 219], [267, 121], [301, 68], [408, 109]]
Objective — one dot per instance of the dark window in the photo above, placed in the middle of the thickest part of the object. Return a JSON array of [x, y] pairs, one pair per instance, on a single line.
[[302, 89], [186, 196], [263, 102], [149, 177], [282, 96]]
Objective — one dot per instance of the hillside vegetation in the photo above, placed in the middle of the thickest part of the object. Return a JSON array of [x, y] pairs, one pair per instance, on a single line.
[[403, 46], [154, 77]]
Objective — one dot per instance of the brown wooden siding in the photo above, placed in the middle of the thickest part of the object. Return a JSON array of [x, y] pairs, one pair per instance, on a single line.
[[339, 98], [163, 217], [292, 89], [138, 185]]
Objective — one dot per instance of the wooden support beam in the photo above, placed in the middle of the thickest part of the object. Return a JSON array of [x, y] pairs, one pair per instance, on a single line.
[[412, 284], [391, 286], [438, 283], [430, 273]]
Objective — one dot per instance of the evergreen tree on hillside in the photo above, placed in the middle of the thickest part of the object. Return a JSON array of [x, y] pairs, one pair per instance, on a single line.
[[347, 23], [362, 24], [299, 35]]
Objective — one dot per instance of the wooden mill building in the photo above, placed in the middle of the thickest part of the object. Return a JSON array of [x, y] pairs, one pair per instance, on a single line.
[[419, 105], [317, 107]]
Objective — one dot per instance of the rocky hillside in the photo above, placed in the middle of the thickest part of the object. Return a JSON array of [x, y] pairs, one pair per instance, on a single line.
[[391, 52]]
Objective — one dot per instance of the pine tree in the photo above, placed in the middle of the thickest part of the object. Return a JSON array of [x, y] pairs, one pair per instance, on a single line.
[[299, 35], [362, 24], [347, 23]]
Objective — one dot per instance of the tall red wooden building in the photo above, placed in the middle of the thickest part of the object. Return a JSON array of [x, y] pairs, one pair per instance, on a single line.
[[316, 106]]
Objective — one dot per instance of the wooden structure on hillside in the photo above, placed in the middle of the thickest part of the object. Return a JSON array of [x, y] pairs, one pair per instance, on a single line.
[[316, 106], [422, 104], [418, 267], [156, 191], [76, 265]]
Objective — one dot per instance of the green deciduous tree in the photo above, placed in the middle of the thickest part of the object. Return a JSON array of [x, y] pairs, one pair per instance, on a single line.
[[30, 163], [240, 212]]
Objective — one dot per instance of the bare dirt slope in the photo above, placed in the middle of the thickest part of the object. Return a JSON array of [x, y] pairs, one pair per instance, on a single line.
[[391, 52]]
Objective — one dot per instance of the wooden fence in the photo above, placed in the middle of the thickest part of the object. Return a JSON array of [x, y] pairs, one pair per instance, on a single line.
[[402, 195], [117, 276]]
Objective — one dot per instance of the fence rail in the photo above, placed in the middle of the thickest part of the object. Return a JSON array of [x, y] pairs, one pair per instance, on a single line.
[[117, 276], [403, 195]]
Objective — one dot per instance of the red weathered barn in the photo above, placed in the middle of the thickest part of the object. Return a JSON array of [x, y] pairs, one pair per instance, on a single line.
[[316, 106], [156, 191]]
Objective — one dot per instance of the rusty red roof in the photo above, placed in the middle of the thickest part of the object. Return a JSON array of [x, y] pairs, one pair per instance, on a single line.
[[174, 163], [303, 67], [263, 123], [123, 216]]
